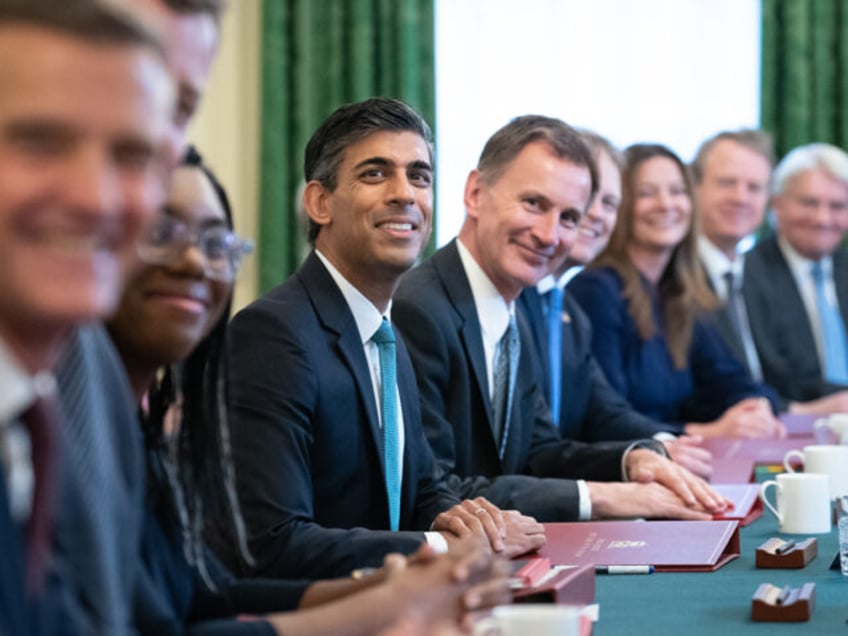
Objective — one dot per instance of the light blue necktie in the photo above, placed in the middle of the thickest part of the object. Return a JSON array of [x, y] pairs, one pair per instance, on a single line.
[[833, 332], [384, 338], [554, 310], [505, 369]]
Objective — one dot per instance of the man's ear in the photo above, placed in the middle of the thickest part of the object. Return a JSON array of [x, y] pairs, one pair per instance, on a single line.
[[473, 193], [315, 202]]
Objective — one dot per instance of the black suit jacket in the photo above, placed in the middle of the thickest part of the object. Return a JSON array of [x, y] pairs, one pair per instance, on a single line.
[[434, 309], [780, 325], [16, 616], [590, 409], [306, 437]]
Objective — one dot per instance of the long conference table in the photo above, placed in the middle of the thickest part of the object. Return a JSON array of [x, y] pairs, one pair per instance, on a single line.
[[720, 602]]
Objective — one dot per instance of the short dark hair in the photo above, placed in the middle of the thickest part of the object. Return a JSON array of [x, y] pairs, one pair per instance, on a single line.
[[754, 139], [93, 20], [214, 8], [348, 125], [508, 142]]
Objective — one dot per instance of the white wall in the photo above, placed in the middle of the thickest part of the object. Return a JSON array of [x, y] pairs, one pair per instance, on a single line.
[[672, 71]]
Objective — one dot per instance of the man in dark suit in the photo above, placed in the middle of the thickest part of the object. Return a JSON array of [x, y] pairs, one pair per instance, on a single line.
[[313, 438], [732, 172], [796, 283], [483, 402], [84, 102]]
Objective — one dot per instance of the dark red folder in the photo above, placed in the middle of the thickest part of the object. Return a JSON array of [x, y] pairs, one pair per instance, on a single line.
[[571, 586], [671, 546]]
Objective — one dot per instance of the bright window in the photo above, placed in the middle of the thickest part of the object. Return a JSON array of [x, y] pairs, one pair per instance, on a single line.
[[671, 71]]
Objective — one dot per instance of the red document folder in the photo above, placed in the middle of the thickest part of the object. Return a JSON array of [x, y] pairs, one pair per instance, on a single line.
[[571, 586], [747, 506], [671, 546]]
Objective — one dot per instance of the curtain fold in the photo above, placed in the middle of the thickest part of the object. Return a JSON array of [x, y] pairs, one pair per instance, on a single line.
[[804, 64], [315, 57]]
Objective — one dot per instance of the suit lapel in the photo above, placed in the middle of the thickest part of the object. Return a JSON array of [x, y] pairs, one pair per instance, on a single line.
[[450, 269], [335, 316]]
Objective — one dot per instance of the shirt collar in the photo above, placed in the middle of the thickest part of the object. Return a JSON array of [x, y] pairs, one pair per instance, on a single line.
[[492, 310], [365, 314], [801, 266], [716, 262], [19, 389]]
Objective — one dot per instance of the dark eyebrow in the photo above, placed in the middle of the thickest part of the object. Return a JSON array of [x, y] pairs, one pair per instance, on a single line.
[[382, 161], [29, 128], [211, 221]]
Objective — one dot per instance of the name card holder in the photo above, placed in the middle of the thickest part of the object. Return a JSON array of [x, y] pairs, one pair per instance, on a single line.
[[778, 553], [789, 605]]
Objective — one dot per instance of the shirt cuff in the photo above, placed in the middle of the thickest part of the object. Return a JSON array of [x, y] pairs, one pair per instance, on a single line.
[[649, 444], [436, 541], [665, 436], [584, 512]]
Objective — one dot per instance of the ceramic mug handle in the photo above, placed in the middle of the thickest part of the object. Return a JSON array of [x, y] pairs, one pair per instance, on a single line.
[[766, 502], [787, 460]]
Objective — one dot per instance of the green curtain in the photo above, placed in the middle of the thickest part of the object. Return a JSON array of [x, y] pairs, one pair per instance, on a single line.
[[317, 55], [804, 65]]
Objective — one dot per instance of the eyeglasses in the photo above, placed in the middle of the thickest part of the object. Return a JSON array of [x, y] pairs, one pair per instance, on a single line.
[[167, 239]]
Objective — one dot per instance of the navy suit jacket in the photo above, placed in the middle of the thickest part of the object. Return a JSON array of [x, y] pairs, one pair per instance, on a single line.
[[16, 615], [97, 543], [590, 409], [434, 309], [780, 325], [306, 437]]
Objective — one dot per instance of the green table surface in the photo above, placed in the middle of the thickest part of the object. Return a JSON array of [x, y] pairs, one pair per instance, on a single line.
[[720, 602]]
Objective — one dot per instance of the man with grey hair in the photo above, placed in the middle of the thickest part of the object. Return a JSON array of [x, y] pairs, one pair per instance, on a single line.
[[484, 409], [796, 283]]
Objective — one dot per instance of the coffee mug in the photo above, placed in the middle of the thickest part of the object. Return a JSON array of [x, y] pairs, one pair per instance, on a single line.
[[803, 502], [832, 429], [830, 460], [526, 619]]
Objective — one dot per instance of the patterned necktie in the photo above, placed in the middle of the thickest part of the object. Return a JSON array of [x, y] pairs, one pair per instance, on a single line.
[[384, 338], [833, 331], [505, 369], [40, 422], [739, 319], [554, 319]]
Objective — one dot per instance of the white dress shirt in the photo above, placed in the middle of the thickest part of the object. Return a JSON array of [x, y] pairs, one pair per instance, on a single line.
[[368, 320], [801, 269], [18, 390], [494, 313]]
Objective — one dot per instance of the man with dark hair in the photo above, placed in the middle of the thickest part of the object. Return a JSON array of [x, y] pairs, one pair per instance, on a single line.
[[732, 175], [331, 460], [484, 409], [84, 104]]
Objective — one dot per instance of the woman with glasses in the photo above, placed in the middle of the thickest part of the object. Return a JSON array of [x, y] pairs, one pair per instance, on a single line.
[[646, 296], [169, 331]]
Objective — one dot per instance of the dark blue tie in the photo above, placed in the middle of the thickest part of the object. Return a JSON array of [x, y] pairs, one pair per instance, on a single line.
[[833, 331], [384, 338], [553, 308], [505, 369]]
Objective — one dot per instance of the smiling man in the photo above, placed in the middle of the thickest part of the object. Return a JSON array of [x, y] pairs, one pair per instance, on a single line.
[[484, 408], [333, 468], [796, 284], [84, 104]]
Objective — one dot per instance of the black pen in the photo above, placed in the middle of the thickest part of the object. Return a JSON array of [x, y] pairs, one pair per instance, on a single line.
[[781, 598], [786, 547]]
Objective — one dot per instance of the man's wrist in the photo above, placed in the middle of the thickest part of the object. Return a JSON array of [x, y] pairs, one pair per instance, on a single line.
[[646, 444]]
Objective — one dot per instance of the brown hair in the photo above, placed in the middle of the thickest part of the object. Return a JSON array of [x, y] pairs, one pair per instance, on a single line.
[[95, 21], [508, 142], [757, 140], [682, 288], [214, 8]]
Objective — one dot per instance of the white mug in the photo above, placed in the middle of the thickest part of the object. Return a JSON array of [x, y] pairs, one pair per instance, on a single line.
[[530, 618], [803, 502], [830, 460], [832, 429]]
